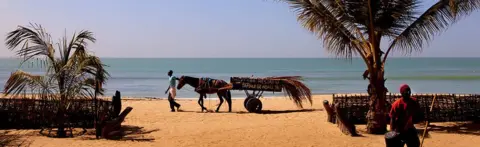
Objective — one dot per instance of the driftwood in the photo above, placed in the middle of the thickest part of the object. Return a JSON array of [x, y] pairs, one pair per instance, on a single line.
[[111, 129], [344, 124], [117, 104], [330, 111]]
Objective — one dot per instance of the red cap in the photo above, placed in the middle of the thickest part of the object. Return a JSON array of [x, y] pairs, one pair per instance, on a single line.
[[404, 88]]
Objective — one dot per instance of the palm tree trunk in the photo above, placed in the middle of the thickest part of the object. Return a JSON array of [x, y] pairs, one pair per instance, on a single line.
[[62, 109], [376, 116], [95, 119], [61, 123]]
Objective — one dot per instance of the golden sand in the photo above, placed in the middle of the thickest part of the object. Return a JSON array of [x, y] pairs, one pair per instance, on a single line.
[[152, 124]]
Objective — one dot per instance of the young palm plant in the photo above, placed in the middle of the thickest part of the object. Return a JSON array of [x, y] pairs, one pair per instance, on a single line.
[[356, 28], [72, 74]]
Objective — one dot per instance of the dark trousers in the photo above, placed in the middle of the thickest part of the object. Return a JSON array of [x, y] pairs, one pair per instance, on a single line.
[[410, 137], [173, 104]]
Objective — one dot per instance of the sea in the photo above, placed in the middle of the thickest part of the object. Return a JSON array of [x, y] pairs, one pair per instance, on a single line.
[[147, 77]]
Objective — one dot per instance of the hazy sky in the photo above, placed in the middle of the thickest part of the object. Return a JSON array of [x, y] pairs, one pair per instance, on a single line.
[[198, 28]]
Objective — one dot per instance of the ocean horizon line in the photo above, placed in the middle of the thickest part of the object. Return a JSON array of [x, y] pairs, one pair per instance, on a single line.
[[339, 58], [147, 76]]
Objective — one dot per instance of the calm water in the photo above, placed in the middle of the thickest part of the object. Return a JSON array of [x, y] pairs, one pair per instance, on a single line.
[[147, 77]]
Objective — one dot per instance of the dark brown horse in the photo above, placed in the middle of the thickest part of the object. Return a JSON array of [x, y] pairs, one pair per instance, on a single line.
[[206, 86]]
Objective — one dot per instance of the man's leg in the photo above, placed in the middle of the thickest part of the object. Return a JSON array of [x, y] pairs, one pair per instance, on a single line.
[[176, 104], [172, 105], [411, 138], [173, 94]]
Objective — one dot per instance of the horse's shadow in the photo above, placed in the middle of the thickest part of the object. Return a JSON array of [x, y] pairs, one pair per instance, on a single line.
[[263, 111], [282, 111]]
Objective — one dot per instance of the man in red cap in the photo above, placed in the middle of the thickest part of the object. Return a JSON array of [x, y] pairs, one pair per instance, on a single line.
[[402, 117]]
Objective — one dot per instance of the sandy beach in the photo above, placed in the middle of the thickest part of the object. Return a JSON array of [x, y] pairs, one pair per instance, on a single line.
[[283, 124]]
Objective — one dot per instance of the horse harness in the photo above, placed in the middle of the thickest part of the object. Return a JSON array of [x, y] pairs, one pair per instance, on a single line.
[[207, 83]]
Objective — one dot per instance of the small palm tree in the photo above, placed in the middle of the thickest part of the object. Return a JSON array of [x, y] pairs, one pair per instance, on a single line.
[[75, 74], [356, 27]]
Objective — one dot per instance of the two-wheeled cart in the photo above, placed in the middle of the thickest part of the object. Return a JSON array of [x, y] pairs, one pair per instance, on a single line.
[[257, 85]]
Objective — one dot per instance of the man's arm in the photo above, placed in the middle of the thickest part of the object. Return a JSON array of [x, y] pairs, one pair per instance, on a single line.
[[393, 116], [167, 89], [393, 121]]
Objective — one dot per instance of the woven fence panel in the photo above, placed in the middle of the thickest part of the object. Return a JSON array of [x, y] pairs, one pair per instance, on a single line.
[[33, 114], [447, 107]]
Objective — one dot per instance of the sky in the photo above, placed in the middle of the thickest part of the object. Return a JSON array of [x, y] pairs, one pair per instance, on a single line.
[[198, 28]]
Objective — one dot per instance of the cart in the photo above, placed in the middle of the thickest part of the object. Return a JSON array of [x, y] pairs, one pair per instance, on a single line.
[[257, 85]]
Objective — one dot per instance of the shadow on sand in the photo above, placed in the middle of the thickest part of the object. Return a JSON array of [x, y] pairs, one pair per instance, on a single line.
[[282, 111], [211, 111], [13, 139], [130, 133], [458, 128]]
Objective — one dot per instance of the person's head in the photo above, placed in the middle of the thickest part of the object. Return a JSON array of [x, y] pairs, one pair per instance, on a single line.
[[405, 91], [170, 73]]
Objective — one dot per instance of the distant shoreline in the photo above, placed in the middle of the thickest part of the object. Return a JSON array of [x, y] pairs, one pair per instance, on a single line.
[[340, 58], [147, 77], [240, 98]]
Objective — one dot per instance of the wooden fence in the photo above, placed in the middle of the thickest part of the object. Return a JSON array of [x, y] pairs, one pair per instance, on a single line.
[[34, 113], [447, 107]]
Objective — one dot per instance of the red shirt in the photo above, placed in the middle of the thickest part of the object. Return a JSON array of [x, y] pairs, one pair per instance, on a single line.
[[402, 111]]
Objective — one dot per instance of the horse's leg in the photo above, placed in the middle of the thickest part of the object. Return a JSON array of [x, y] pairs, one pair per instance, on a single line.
[[200, 101], [220, 97], [228, 97]]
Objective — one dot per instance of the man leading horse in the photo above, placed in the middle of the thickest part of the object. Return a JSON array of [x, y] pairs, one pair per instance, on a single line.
[[172, 91], [204, 86]]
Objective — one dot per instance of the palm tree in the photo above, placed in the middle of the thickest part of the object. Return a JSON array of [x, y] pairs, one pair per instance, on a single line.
[[75, 74], [356, 27]]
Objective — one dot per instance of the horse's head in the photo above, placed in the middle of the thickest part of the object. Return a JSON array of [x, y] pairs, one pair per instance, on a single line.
[[181, 82]]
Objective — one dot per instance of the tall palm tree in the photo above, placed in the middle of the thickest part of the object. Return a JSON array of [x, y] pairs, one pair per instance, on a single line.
[[356, 27], [74, 74]]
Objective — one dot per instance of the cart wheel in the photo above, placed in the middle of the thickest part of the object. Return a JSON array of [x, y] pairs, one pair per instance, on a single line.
[[246, 100], [254, 105]]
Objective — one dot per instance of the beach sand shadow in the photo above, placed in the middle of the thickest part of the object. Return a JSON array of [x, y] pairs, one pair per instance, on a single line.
[[458, 128], [263, 111], [52, 132], [14, 139], [282, 111], [130, 133], [358, 135], [184, 111], [420, 133]]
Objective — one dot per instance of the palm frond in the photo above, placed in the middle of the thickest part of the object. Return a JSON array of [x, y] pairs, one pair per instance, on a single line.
[[319, 17], [78, 42], [294, 89], [20, 81], [392, 16], [433, 21], [94, 66], [39, 39]]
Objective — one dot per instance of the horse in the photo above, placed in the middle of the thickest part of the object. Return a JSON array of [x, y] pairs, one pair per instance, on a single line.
[[206, 86]]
